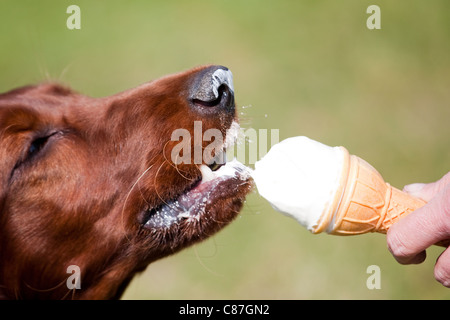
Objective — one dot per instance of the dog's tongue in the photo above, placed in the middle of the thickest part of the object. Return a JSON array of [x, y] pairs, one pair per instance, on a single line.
[[299, 176]]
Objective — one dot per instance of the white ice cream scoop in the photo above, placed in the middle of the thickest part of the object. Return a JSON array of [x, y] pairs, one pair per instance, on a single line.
[[299, 177]]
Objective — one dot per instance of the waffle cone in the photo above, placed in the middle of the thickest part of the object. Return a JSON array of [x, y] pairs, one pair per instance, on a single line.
[[364, 202]]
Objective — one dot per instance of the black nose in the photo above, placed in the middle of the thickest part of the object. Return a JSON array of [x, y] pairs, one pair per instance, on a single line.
[[213, 88]]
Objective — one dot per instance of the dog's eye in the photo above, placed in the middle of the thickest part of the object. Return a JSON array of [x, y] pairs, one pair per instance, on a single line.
[[37, 145], [33, 150]]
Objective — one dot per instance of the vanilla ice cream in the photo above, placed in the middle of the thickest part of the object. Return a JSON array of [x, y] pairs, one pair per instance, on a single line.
[[299, 177]]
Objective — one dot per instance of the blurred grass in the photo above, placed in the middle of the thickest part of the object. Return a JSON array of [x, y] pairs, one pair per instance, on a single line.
[[304, 67]]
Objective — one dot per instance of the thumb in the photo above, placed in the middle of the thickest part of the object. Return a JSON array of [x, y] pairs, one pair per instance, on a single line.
[[427, 191], [411, 235]]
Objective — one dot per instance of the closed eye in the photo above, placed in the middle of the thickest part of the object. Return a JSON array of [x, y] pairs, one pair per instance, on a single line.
[[37, 145], [34, 148]]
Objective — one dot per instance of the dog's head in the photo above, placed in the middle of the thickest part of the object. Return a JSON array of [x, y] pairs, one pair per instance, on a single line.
[[109, 185]]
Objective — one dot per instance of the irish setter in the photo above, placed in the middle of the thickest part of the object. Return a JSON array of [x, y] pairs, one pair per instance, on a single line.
[[92, 184]]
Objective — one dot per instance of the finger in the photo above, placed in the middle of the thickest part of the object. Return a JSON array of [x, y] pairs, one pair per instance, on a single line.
[[413, 259], [400, 253], [427, 191], [428, 225], [442, 268]]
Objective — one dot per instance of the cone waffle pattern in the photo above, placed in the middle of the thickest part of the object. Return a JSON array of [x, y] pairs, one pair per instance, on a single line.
[[369, 204]]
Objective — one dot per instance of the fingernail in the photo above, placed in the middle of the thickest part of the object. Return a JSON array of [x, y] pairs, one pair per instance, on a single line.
[[414, 188]]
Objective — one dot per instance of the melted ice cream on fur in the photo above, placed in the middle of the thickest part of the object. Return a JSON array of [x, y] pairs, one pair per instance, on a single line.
[[299, 177]]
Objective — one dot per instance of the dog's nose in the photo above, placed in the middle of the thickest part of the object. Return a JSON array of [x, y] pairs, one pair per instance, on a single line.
[[213, 88]]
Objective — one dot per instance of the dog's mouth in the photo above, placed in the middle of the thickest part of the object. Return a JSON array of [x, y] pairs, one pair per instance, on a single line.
[[205, 200], [193, 204]]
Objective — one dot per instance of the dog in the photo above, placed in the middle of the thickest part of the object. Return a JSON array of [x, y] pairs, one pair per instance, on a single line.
[[91, 192]]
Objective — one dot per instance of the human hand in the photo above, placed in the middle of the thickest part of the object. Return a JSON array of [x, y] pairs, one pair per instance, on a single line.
[[408, 238]]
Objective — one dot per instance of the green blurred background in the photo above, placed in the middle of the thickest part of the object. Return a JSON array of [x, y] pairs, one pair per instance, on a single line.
[[304, 67]]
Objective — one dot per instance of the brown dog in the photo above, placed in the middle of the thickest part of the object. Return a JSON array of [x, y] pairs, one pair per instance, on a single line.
[[91, 184]]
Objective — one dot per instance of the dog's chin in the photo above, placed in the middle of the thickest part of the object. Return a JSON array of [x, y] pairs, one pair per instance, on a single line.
[[209, 205]]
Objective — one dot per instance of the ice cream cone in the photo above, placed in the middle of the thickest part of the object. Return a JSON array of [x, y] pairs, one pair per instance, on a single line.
[[364, 202]]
